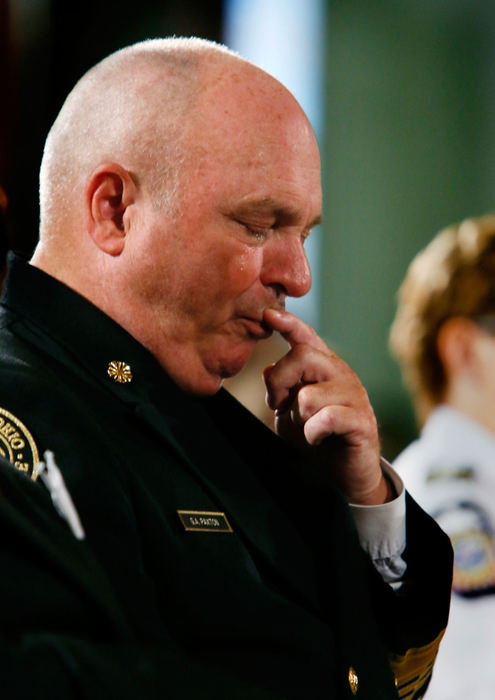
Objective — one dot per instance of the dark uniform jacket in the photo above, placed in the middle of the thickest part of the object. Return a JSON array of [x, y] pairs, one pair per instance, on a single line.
[[215, 540], [63, 633]]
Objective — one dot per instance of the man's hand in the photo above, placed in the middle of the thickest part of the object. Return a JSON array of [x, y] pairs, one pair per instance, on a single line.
[[322, 408]]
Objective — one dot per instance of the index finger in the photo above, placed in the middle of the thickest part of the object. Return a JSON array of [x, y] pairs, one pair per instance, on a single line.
[[293, 329]]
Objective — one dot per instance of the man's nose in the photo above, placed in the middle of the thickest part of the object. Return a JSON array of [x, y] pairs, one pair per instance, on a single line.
[[286, 267]]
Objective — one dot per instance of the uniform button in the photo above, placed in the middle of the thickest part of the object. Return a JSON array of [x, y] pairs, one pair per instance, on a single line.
[[353, 680], [119, 371]]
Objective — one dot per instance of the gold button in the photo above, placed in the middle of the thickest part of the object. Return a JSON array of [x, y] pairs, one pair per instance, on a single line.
[[119, 371], [353, 681]]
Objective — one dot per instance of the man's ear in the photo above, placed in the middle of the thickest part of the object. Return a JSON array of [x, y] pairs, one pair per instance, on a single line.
[[110, 190], [456, 345]]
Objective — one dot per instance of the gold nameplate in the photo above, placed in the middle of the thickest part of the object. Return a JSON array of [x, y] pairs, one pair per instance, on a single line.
[[204, 521]]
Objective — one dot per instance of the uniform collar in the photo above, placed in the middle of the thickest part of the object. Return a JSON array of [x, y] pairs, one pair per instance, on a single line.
[[448, 429], [57, 315]]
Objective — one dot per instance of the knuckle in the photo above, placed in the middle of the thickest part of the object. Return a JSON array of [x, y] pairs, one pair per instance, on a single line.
[[304, 397], [327, 415], [271, 376]]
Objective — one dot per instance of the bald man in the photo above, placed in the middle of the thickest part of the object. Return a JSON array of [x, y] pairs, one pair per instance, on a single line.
[[178, 186]]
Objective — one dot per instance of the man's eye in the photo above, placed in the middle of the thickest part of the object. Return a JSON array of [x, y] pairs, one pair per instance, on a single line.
[[259, 234]]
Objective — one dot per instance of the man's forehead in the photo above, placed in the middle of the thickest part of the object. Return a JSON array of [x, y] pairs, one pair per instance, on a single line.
[[241, 91], [250, 136]]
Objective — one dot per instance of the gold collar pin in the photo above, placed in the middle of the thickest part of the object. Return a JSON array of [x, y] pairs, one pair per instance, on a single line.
[[119, 371]]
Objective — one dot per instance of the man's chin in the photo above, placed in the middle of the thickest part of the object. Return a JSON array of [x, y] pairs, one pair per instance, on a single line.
[[212, 379], [235, 362], [202, 374]]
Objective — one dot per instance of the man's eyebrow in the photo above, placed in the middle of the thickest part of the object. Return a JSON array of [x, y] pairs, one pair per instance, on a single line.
[[267, 205]]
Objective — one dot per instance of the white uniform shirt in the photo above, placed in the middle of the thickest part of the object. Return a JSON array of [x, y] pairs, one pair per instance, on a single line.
[[450, 471]]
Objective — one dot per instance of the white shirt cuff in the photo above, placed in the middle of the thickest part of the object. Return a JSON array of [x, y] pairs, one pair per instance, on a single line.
[[382, 529]]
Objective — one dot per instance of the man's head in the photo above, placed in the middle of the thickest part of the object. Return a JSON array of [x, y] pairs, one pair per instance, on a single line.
[[177, 187], [444, 331]]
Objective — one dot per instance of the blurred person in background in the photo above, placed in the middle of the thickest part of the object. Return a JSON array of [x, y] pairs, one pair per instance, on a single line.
[[444, 338]]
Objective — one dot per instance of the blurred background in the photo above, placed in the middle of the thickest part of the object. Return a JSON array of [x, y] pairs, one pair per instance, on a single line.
[[401, 94]]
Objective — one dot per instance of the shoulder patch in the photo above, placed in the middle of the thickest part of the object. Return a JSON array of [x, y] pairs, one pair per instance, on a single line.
[[474, 563], [17, 444], [472, 534]]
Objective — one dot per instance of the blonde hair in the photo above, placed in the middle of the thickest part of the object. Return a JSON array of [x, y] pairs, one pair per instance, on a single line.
[[453, 276]]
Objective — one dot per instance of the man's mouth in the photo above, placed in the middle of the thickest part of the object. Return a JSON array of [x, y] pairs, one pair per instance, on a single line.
[[256, 328]]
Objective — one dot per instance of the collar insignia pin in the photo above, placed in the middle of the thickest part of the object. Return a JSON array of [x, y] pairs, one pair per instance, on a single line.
[[119, 371]]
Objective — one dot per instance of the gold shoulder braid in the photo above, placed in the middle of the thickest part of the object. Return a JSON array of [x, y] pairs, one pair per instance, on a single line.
[[17, 444]]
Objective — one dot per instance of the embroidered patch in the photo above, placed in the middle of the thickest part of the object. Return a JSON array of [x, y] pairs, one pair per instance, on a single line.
[[204, 521], [17, 444], [474, 562]]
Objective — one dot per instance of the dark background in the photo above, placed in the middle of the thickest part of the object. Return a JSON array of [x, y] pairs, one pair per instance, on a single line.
[[42, 57]]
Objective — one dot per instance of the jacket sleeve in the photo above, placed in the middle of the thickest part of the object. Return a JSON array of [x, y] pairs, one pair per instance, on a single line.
[[416, 615]]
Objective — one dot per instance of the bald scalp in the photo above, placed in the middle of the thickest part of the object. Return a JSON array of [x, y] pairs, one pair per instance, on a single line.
[[134, 108]]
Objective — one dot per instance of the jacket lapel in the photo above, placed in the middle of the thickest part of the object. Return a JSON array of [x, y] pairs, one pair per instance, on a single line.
[[46, 534]]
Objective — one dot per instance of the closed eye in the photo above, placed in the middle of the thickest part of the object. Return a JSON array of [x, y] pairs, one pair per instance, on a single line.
[[257, 233]]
